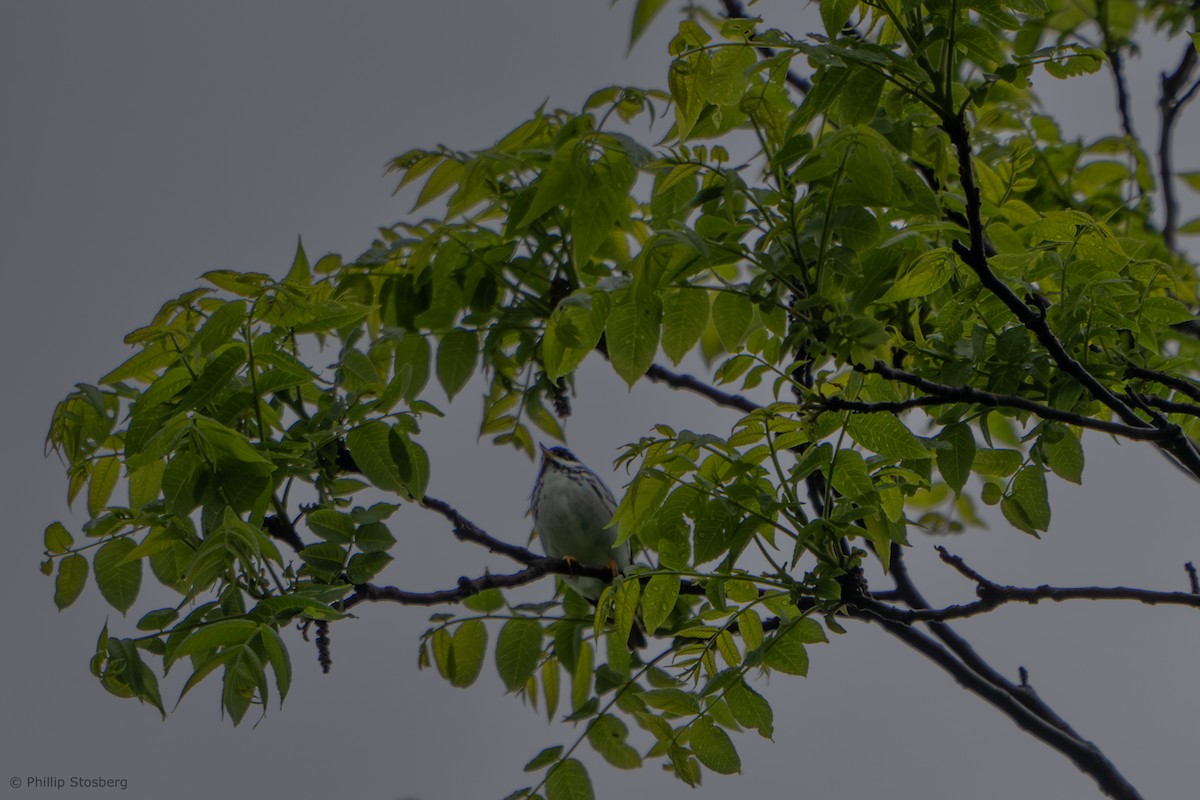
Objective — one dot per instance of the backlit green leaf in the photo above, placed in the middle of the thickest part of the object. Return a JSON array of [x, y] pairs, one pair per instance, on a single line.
[[632, 335], [518, 649], [71, 578], [119, 579], [456, 357], [568, 780]]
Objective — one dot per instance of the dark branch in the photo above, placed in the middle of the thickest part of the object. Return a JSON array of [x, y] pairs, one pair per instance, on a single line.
[[469, 587], [676, 380], [992, 595], [1085, 755], [279, 527], [1193, 578], [946, 393], [1170, 104], [963, 649], [1166, 379], [468, 531], [1170, 406]]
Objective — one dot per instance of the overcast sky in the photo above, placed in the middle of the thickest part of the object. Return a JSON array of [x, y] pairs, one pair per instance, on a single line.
[[145, 143]]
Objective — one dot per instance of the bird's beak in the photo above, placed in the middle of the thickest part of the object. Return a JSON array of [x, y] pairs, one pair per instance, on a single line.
[[545, 450]]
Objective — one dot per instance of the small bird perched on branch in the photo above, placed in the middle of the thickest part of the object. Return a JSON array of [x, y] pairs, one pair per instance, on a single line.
[[572, 509]]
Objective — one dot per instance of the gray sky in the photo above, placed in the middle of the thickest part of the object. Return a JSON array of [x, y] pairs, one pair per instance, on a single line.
[[146, 143]]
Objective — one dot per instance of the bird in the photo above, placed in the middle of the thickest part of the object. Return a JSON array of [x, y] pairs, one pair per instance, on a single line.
[[572, 510]]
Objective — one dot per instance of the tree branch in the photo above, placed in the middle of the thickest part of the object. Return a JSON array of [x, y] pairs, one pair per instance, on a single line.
[[992, 595], [467, 531], [469, 587], [1174, 382], [966, 652], [1084, 754], [945, 393], [1170, 104], [676, 380]]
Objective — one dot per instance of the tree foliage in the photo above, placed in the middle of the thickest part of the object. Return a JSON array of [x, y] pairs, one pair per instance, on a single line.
[[875, 229]]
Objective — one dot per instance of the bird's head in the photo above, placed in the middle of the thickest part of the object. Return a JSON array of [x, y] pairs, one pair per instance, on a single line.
[[559, 457]]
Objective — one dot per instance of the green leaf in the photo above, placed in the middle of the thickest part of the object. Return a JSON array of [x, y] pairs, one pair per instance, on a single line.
[[119, 579], [157, 619], [546, 757], [365, 566], [219, 328], [643, 14], [685, 316], [607, 735], [143, 365], [997, 463], [518, 650], [658, 600], [324, 559], [332, 526], [443, 178], [954, 461], [1027, 506], [857, 104], [485, 602], [222, 633], [1166, 311], [835, 14], [750, 708], [215, 377], [596, 210], [456, 357], [927, 274], [300, 271], [182, 484], [850, 475], [554, 185], [713, 747], [675, 702], [885, 435], [1065, 456], [785, 651], [413, 353], [732, 313], [382, 455], [277, 657], [468, 645], [71, 578], [57, 538], [103, 480], [627, 593], [568, 780], [145, 483], [573, 331], [632, 335], [550, 679], [374, 537], [581, 680]]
